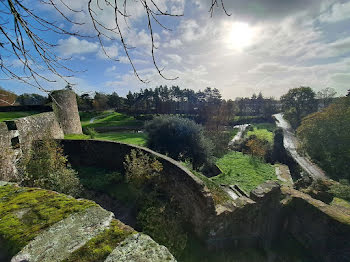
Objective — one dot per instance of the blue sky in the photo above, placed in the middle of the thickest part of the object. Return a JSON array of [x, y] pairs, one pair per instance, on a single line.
[[265, 45]]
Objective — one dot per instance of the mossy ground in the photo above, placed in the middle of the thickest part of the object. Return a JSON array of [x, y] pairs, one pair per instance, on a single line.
[[113, 119], [98, 248], [244, 170], [24, 212]]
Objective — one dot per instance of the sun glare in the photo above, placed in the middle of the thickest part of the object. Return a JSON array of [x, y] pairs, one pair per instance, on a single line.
[[240, 35]]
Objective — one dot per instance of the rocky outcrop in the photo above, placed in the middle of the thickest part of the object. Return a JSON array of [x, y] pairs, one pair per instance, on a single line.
[[140, 247], [41, 225]]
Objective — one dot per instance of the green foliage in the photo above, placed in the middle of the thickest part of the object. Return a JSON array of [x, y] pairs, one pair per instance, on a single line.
[[256, 147], [13, 115], [141, 169], [325, 137], [164, 224], [24, 212], [220, 140], [98, 248], [298, 103], [45, 166], [341, 190], [89, 131], [180, 138], [262, 134], [31, 99], [245, 171], [219, 195]]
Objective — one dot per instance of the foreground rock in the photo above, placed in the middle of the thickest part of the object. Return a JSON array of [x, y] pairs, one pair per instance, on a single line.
[[140, 247], [41, 225]]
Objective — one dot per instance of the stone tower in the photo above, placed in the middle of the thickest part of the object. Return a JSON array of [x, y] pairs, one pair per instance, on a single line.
[[66, 110]]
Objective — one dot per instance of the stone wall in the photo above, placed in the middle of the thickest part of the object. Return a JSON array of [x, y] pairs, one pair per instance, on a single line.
[[66, 109], [16, 137], [190, 192]]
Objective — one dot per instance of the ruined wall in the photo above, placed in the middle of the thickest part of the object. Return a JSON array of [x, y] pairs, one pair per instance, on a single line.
[[190, 192], [322, 229], [66, 109], [16, 137]]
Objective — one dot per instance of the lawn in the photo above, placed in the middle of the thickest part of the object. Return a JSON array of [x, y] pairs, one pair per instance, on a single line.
[[13, 115], [245, 171], [109, 119], [124, 137], [263, 131], [85, 117]]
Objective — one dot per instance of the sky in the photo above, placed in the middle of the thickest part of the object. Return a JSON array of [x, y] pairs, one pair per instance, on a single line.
[[266, 46]]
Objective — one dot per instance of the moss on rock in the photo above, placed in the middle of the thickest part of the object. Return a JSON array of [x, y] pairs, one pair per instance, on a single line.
[[98, 248], [25, 212]]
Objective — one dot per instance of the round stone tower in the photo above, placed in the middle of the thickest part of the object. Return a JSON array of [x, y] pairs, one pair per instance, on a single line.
[[65, 106]]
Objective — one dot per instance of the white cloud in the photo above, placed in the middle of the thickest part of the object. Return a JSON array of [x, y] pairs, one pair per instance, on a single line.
[[108, 52], [73, 45], [338, 12], [173, 43]]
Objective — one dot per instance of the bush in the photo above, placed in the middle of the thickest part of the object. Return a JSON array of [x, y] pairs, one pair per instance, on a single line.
[[141, 169], [220, 140], [341, 190], [180, 138], [45, 166], [325, 137], [256, 147], [90, 132]]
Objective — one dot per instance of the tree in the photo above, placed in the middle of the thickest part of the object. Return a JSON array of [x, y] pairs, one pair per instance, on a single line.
[[100, 101], [187, 139], [25, 38], [348, 93], [325, 137], [326, 96], [31, 99], [7, 98], [298, 103]]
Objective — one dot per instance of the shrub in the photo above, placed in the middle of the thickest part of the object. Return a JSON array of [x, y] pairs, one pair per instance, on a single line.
[[45, 166], [141, 169], [220, 140], [90, 132], [180, 138], [257, 147], [341, 190]]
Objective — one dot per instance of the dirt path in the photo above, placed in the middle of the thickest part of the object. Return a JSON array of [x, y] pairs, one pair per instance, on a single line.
[[239, 135], [290, 142]]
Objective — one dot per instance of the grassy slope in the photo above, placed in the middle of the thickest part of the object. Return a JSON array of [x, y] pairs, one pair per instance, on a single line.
[[243, 170], [108, 119], [13, 115], [124, 137]]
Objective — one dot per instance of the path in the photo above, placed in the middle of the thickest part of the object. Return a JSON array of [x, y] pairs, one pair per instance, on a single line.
[[239, 135], [92, 119], [290, 143]]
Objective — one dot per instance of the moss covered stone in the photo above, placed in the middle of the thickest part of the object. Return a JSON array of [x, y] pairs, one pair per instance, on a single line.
[[25, 212], [98, 248]]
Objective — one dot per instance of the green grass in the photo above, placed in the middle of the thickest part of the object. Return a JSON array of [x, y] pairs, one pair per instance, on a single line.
[[263, 131], [245, 171], [139, 139], [13, 115], [219, 195], [112, 119], [125, 137], [85, 117], [24, 212]]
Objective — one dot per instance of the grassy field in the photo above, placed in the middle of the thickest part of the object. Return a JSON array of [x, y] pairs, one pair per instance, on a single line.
[[263, 131], [13, 115], [108, 119], [243, 170], [124, 137]]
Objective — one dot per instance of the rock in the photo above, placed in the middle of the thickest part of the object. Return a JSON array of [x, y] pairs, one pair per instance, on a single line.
[[66, 236], [261, 191], [140, 247]]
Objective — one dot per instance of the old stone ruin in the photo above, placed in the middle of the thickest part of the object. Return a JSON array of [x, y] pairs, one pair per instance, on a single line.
[[270, 213]]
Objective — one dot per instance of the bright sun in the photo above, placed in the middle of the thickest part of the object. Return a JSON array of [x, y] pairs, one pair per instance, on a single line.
[[240, 35]]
